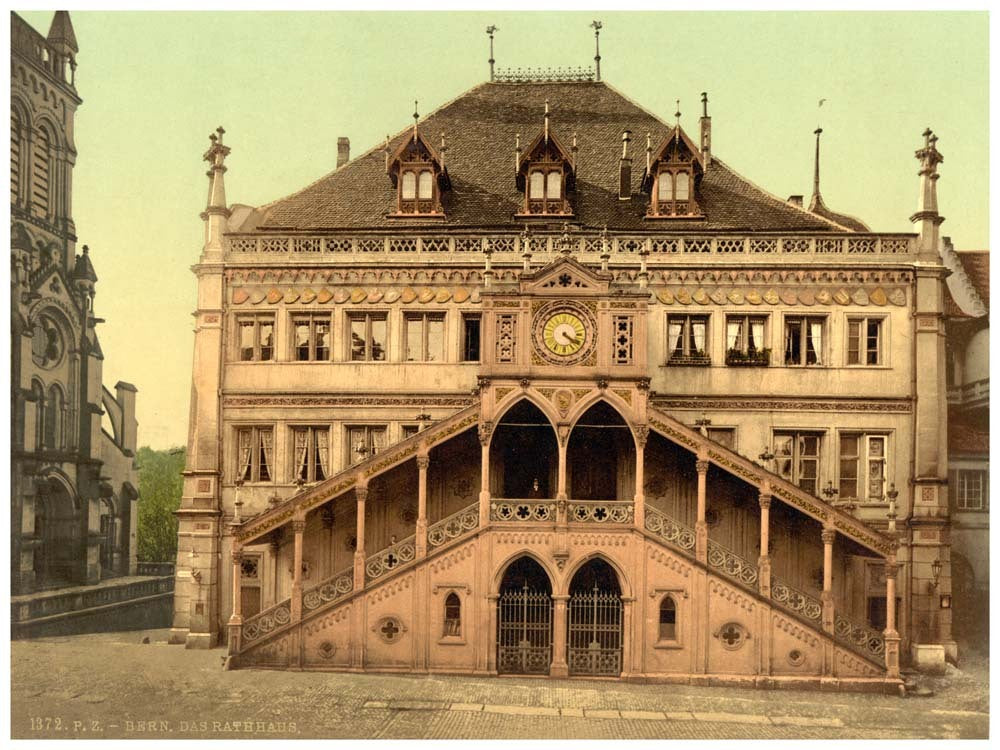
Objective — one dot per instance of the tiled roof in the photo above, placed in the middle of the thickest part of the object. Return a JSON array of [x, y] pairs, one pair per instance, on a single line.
[[819, 207], [976, 265], [480, 128]]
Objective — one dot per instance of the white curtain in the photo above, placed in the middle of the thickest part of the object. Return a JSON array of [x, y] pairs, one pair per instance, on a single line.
[[266, 446], [322, 453], [301, 454], [682, 186], [816, 339], [409, 186], [664, 187], [675, 329], [732, 334], [698, 336], [553, 190], [756, 334], [244, 454]]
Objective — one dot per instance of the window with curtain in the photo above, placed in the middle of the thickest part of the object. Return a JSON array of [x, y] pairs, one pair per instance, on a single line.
[[452, 615], [536, 189], [426, 187], [255, 454], [668, 619], [311, 453], [797, 458], [745, 339], [424, 337], [665, 187], [864, 341], [364, 441], [862, 467], [367, 337], [311, 337], [687, 338], [545, 191], [255, 338], [804, 340], [682, 192], [408, 192]]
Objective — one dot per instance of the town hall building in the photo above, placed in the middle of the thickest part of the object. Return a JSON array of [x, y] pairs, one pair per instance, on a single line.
[[541, 385]]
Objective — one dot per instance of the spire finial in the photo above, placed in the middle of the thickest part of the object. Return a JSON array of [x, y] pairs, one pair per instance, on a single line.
[[546, 120], [704, 104], [416, 116], [221, 131], [490, 30], [649, 150], [817, 132], [597, 26], [677, 114]]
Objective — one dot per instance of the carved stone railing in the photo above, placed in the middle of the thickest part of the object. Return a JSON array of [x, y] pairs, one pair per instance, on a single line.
[[262, 623], [673, 533], [46, 604], [588, 247], [601, 511], [796, 601], [154, 568], [384, 561], [730, 564], [335, 587], [523, 510], [453, 526], [861, 638]]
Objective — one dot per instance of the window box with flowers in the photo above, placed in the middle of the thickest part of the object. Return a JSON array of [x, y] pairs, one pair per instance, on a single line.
[[749, 358]]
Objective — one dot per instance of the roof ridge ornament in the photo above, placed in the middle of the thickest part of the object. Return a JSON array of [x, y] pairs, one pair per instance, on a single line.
[[416, 116], [544, 75], [597, 26], [490, 30]]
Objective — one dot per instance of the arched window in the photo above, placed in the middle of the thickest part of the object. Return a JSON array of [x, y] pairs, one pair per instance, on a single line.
[[41, 174], [426, 191], [452, 614], [54, 418], [38, 393], [15, 157], [668, 619], [682, 191], [409, 186], [664, 187]]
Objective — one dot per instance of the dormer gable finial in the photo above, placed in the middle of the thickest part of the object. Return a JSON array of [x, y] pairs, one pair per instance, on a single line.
[[517, 152], [386, 149], [416, 116], [649, 150], [677, 114], [546, 120]]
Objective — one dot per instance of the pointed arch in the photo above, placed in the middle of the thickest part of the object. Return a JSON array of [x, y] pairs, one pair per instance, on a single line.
[[55, 418], [624, 586], [584, 405], [536, 400], [555, 581]]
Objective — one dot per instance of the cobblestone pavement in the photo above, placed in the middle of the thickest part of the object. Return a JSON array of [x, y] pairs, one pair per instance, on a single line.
[[111, 685]]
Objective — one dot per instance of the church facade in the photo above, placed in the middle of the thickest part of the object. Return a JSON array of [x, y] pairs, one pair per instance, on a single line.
[[73, 479], [541, 385]]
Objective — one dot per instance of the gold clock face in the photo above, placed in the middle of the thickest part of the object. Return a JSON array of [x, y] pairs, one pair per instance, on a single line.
[[564, 334]]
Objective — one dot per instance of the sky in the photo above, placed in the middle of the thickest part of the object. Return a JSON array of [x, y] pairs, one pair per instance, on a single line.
[[286, 85]]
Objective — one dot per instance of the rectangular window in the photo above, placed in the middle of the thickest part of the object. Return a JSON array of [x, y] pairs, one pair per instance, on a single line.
[[723, 436], [255, 454], [746, 341], [368, 337], [409, 430], [470, 338], [687, 339], [862, 467], [972, 492], [623, 340], [864, 341], [424, 334], [797, 458], [804, 340], [255, 338], [311, 453], [311, 338], [364, 441]]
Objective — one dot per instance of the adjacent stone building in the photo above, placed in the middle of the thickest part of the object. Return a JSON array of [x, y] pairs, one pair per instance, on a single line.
[[542, 385], [73, 482]]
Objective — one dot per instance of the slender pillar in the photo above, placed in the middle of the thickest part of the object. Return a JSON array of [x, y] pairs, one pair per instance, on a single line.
[[423, 462], [361, 493], [559, 666], [700, 526], [299, 527], [828, 536], [236, 618], [764, 561], [639, 501], [627, 635], [485, 430], [890, 634], [563, 442]]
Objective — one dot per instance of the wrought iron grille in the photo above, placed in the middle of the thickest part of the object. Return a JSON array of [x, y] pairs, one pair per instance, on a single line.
[[524, 638], [860, 638], [453, 526], [796, 601], [333, 588], [595, 633]]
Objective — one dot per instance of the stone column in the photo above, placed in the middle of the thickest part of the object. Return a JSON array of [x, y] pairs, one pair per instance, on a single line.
[[627, 636], [562, 443], [700, 526], [559, 666], [764, 561], [891, 636], [299, 527], [236, 618], [423, 461], [485, 430], [639, 502], [361, 493], [828, 536]]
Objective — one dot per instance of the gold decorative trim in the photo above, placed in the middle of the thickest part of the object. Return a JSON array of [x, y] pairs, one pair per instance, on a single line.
[[901, 405]]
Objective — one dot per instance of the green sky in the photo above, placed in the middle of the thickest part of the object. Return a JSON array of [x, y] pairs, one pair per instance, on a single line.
[[286, 85]]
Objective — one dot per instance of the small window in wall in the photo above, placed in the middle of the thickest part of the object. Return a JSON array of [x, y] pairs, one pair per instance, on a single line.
[[368, 337], [255, 452], [470, 338], [409, 430], [804, 340], [687, 339], [723, 436], [424, 337], [363, 441], [972, 492], [255, 338], [311, 337], [452, 615], [864, 341], [668, 619], [876, 611], [746, 342], [797, 458]]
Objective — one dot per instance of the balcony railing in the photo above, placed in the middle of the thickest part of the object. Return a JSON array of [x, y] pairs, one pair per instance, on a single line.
[[523, 510], [382, 562], [262, 623], [796, 601], [601, 511], [730, 564]]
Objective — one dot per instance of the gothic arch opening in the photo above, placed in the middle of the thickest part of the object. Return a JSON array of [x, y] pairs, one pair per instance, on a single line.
[[524, 456], [600, 459], [524, 619], [594, 622], [57, 560]]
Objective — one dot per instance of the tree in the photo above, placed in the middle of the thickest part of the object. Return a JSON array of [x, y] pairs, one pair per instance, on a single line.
[[160, 487]]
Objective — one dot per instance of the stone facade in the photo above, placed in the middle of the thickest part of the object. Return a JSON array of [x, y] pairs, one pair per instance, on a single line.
[[452, 390], [73, 481]]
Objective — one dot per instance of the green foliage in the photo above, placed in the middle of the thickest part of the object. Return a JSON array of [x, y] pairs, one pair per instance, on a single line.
[[160, 486]]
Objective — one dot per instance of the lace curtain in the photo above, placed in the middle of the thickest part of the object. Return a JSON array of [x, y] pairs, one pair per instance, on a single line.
[[815, 342], [244, 454], [302, 454], [266, 451], [322, 454]]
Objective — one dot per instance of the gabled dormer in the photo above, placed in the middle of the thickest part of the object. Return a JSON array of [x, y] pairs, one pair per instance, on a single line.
[[546, 174], [419, 175], [673, 177]]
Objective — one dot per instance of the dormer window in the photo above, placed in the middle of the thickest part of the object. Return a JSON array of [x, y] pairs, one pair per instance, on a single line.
[[419, 176], [546, 172], [672, 178], [545, 193]]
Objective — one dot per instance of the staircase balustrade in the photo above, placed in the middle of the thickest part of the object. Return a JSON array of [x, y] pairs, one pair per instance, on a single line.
[[453, 526], [601, 511]]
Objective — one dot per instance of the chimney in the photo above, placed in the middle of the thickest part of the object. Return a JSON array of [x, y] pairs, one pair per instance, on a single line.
[[795, 200], [343, 151], [625, 172], [706, 130]]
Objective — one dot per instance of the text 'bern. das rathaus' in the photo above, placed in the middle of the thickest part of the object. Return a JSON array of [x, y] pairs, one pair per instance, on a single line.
[[540, 385]]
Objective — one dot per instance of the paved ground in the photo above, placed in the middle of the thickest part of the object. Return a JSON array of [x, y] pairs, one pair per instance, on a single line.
[[111, 685]]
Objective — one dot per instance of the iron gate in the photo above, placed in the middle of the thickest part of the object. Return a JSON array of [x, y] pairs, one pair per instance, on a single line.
[[524, 642], [595, 633]]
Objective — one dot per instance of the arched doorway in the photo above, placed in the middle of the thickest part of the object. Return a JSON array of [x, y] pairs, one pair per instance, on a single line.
[[524, 456], [601, 456], [59, 558], [594, 623], [524, 619]]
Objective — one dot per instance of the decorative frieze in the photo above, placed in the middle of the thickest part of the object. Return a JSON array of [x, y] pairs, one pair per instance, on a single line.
[[893, 406], [235, 401]]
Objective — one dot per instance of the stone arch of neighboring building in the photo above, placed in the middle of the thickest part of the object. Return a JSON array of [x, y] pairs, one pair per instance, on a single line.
[[601, 454], [524, 452], [60, 532]]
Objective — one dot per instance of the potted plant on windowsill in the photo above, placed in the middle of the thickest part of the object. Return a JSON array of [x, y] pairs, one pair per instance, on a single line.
[[749, 358], [698, 358]]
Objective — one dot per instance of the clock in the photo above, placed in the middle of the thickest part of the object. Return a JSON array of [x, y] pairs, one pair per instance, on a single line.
[[564, 334]]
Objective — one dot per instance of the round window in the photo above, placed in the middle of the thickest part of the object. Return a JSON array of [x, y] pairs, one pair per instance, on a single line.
[[47, 344]]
